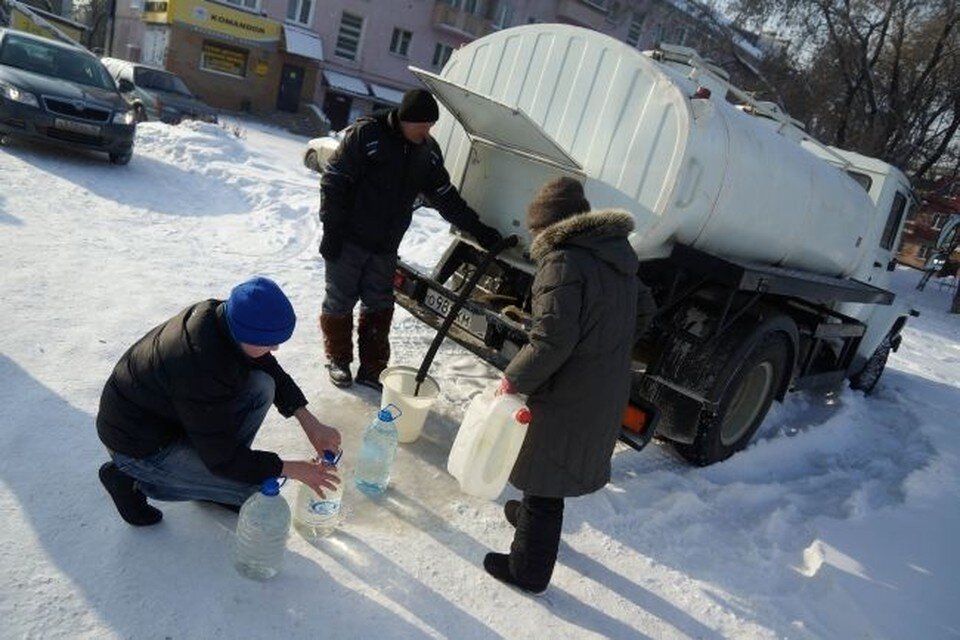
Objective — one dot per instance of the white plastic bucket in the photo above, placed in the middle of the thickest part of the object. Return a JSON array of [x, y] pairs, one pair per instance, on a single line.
[[399, 384], [488, 443]]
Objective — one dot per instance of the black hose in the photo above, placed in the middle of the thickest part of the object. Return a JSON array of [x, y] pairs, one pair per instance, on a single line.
[[465, 291]]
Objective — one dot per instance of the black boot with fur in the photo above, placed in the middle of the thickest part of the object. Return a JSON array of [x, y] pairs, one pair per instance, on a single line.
[[130, 502]]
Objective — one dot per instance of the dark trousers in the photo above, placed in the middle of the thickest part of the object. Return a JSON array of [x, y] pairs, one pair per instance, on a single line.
[[537, 539]]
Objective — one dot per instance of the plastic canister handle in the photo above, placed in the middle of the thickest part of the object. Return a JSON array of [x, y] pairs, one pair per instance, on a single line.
[[523, 415]]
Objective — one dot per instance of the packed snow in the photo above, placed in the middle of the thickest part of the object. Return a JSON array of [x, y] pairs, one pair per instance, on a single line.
[[840, 521]]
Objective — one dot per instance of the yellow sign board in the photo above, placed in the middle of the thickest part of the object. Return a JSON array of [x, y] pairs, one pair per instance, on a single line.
[[45, 25], [215, 18], [156, 11]]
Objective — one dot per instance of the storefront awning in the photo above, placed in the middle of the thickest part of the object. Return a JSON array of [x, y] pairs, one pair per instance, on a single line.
[[301, 42], [386, 94], [348, 84]]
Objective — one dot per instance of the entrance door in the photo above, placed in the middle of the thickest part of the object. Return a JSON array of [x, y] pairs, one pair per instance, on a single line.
[[291, 82], [337, 108]]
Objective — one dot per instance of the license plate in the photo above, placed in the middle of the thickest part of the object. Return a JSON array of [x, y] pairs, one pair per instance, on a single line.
[[77, 127], [441, 304]]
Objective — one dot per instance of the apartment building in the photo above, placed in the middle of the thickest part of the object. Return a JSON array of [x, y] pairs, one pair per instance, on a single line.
[[350, 57]]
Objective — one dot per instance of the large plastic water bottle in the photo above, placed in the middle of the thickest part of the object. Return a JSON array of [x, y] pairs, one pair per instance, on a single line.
[[314, 516], [378, 452], [262, 530], [488, 442]]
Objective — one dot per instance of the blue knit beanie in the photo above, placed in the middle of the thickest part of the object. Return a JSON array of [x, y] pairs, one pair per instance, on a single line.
[[259, 313]]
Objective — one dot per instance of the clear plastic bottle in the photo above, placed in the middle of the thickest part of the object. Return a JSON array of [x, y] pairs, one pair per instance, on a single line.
[[378, 452], [315, 517], [262, 530]]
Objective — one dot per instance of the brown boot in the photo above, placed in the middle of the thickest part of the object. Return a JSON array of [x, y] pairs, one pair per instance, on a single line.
[[373, 339], [338, 344]]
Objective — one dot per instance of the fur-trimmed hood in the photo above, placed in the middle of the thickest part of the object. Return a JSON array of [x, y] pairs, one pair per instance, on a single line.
[[598, 231]]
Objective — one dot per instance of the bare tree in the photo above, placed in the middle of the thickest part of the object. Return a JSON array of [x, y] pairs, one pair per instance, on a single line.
[[880, 76]]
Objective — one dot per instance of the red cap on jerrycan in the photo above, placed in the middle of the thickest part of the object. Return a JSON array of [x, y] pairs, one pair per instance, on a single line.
[[523, 415]]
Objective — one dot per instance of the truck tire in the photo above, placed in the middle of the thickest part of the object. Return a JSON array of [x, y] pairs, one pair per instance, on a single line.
[[868, 377], [744, 399]]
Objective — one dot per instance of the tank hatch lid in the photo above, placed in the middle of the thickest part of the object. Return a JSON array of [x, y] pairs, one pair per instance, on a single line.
[[495, 122]]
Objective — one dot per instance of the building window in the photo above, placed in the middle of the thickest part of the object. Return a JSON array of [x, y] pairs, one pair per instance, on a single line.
[[636, 28], [221, 58], [680, 35], [300, 11], [253, 5], [503, 16], [348, 39], [400, 42], [441, 53]]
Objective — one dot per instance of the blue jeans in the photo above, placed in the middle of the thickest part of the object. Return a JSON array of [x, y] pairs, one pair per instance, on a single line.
[[178, 473]]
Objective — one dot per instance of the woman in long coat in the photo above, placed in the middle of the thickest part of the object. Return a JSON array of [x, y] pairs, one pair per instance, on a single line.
[[575, 369]]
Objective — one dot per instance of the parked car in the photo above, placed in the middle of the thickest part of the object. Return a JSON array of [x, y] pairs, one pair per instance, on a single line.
[[157, 94], [61, 93], [319, 150]]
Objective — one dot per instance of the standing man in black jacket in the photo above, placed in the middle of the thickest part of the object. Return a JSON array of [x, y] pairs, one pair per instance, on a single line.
[[368, 191], [183, 405]]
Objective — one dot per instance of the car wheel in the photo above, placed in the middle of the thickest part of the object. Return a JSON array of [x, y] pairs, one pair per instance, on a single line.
[[120, 158], [311, 161]]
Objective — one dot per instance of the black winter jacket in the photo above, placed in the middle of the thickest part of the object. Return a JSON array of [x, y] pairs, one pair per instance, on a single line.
[[369, 187], [576, 367], [180, 381]]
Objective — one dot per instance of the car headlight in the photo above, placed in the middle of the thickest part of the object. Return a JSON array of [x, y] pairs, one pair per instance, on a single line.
[[11, 92], [124, 117]]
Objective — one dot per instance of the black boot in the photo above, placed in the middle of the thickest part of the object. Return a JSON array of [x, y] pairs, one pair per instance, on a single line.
[[536, 541], [131, 504], [498, 565], [367, 379], [340, 374], [510, 511]]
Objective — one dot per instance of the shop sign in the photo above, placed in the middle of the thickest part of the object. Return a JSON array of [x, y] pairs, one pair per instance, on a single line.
[[224, 59], [44, 24], [156, 11], [225, 21]]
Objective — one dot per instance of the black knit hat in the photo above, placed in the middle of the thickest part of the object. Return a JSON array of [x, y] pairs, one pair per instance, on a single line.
[[556, 200], [418, 106]]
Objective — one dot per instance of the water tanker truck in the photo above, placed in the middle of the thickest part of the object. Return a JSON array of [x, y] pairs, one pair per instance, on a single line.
[[768, 253]]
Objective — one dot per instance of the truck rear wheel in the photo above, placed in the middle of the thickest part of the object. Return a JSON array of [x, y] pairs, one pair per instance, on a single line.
[[744, 399]]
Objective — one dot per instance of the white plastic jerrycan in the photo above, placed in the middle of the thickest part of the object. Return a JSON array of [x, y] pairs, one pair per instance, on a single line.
[[488, 443]]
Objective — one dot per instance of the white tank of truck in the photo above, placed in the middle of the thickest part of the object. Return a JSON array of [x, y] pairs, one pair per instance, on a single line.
[[640, 136]]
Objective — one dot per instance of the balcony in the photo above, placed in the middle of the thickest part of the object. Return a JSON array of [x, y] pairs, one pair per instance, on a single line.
[[460, 22], [585, 13]]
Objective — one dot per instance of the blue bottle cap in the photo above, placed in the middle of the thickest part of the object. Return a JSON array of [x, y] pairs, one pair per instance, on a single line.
[[331, 457], [270, 487], [384, 415]]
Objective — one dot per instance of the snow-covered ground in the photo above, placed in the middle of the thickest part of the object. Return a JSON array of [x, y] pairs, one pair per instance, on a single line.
[[841, 521]]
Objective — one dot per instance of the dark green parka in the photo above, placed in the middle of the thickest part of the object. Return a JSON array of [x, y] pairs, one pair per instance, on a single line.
[[182, 380], [576, 367]]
